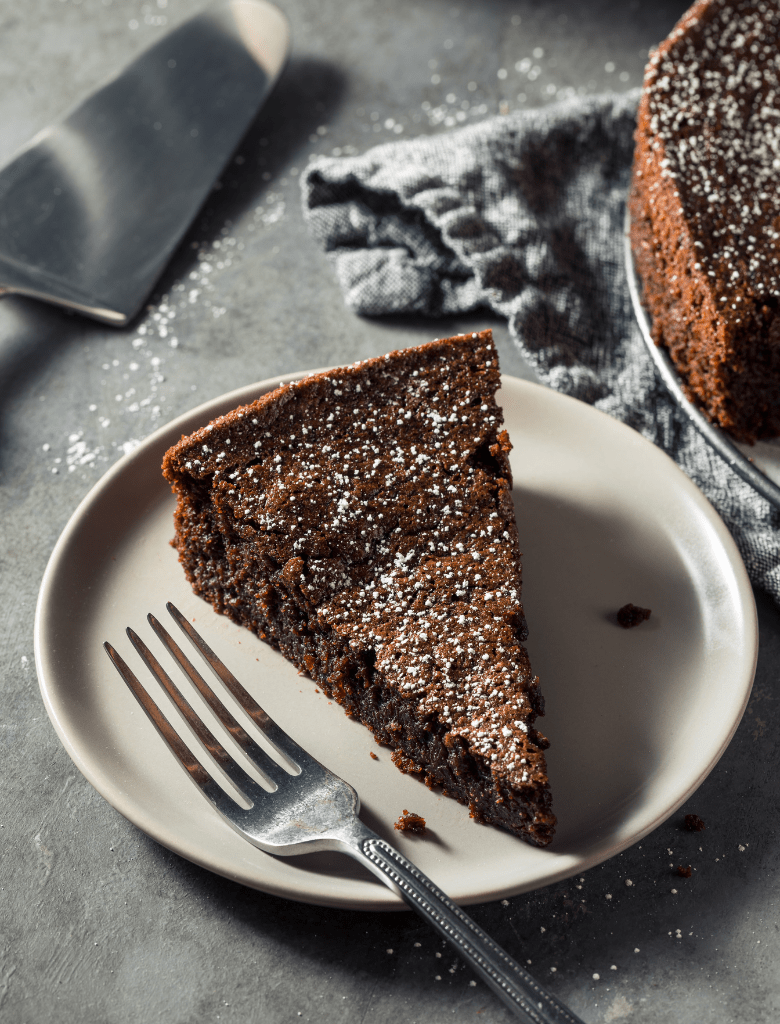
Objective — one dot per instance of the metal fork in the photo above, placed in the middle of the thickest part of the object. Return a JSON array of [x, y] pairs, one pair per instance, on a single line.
[[310, 808]]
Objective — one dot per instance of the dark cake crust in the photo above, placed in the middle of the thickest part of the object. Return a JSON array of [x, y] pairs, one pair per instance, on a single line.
[[704, 205], [360, 521]]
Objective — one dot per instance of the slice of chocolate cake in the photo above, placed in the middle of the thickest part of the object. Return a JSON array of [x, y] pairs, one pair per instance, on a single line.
[[360, 521], [705, 209]]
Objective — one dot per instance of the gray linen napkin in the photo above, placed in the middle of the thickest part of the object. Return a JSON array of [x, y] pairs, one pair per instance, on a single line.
[[523, 214]]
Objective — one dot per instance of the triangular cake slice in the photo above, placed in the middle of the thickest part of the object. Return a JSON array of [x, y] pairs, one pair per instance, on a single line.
[[360, 521]]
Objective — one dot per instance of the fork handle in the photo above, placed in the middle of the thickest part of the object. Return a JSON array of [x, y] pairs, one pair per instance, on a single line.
[[513, 985]]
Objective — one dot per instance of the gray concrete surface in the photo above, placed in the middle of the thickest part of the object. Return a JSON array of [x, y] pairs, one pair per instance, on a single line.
[[98, 923]]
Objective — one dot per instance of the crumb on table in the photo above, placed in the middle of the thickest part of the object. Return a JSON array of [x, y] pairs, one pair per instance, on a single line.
[[373, 755], [411, 822], [693, 823], [684, 872], [632, 615]]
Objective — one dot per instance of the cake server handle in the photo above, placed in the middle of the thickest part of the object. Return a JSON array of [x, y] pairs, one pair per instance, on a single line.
[[513, 985]]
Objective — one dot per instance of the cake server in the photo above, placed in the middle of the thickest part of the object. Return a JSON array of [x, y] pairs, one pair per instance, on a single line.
[[310, 808], [92, 209]]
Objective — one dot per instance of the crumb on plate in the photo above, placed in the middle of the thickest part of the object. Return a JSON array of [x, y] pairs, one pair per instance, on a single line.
[[411, 822], [632, 615]]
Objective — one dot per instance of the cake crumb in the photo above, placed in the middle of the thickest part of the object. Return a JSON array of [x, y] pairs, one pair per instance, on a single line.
[[684, 872], [632, 615], [373, 755], [693, 823], [410, 822]]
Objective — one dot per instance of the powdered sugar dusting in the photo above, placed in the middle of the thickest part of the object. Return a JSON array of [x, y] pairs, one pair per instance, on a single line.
[[714, 103], [382, 493], [132, 385]]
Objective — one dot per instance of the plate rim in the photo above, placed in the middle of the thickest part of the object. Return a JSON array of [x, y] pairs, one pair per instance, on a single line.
[[386, 900]]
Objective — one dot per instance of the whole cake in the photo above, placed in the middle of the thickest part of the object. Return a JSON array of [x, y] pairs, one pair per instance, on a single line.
[[705, 209], [361, 521]]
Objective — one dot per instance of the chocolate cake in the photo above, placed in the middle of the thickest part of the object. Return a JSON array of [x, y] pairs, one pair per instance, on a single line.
[[631, 615], [411, 822], [361, 522], [705, 209]]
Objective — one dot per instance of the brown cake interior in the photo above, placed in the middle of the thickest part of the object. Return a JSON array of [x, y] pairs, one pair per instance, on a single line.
[[705, 209], [361, 521]]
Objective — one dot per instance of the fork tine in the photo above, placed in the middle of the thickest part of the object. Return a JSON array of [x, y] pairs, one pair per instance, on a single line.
[[177, 746], [229, 766], [255, 753], [284, 743]]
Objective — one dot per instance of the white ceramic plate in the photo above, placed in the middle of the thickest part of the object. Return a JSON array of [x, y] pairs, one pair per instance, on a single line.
[[636, 718]]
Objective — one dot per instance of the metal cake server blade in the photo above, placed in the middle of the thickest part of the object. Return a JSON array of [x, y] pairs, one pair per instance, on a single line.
[[92, 209]]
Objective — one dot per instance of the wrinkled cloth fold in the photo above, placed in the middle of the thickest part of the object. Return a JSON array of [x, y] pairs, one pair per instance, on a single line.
[[523, 214]]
